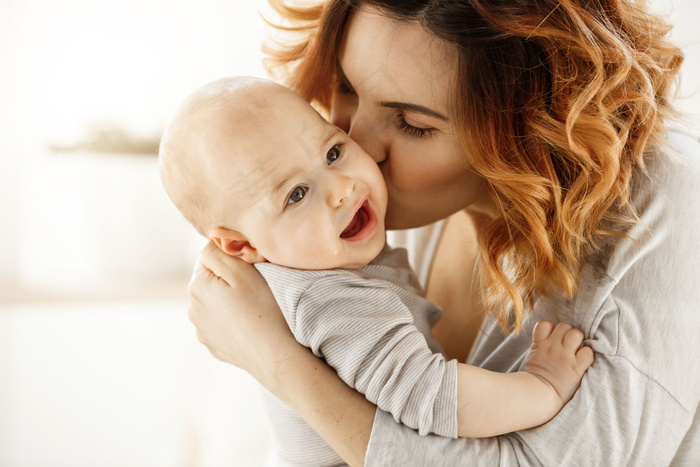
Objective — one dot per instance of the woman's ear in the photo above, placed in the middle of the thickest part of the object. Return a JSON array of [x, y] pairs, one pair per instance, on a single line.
[[236, 244]]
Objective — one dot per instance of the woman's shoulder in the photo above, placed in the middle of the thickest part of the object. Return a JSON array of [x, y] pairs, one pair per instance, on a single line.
[[674, 170], [665, 197], [653, 295], [684, 137]]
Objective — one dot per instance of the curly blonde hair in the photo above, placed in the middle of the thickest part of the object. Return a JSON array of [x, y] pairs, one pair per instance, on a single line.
[[557, 102]]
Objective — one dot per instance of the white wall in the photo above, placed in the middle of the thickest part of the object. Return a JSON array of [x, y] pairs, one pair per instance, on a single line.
[[120, 384], [684, 15], [99, 365], [69, 66]]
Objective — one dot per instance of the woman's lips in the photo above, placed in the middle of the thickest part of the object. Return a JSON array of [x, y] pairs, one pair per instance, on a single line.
[[362, 224]]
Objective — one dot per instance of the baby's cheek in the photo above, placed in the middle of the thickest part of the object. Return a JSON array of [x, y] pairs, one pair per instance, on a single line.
[[311, 250]]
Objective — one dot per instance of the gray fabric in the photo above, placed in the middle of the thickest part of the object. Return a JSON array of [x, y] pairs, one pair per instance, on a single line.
[[639, 306], [373, 327]]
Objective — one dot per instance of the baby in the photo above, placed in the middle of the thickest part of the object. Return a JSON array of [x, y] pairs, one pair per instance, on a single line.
[[256, 169]]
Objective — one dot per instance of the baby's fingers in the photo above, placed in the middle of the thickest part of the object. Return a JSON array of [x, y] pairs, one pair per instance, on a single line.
[[543, 329], [573, 340], [584, 357]]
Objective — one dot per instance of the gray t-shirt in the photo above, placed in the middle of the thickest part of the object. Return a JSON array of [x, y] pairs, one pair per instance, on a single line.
[[639, 305], [372, 326]]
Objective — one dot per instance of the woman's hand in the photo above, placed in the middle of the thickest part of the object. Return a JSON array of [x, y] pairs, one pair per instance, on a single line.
[[236, 315], [238, 319]]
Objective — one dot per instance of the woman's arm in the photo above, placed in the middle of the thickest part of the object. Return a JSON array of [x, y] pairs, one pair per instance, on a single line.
[[238, 320], [341, 415]]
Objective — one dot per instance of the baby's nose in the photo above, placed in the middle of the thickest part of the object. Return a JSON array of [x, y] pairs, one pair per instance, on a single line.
[[343, 186]]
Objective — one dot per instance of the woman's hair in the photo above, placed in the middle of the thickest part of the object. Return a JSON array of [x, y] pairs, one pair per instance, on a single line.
[[556, 102]]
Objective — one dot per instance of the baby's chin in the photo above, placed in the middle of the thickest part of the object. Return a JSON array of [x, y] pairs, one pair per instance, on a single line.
[[355, 261], [339, 255], [345, 260]]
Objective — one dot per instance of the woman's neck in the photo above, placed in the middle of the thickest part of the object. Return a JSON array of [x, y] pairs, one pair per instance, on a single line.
[[483, 209]]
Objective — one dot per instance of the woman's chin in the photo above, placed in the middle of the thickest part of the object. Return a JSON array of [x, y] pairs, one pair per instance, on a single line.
[[406, 220]]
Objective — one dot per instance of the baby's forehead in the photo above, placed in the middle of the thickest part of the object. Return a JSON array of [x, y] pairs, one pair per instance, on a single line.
[[262, 133], [281, 125]]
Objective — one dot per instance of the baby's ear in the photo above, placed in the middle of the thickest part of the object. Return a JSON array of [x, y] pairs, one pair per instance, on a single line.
[[236, 244]]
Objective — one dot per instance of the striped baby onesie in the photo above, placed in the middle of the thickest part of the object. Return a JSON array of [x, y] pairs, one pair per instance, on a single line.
[[372, 326]]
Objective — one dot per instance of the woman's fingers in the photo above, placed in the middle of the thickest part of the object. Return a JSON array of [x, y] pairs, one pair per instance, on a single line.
[[236, 315], [235, 272], [216, 261]]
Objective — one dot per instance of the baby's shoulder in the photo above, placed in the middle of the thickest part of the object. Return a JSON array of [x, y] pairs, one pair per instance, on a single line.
[[288, 284], [299, 279], [392, 265]]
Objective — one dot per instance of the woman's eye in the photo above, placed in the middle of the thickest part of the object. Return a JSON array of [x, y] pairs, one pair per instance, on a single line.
[[297, 195], [333, 155], [413, 130]]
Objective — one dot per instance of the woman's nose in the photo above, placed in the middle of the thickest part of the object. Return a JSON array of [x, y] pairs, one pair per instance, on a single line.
[[368, 135], [351, 119]]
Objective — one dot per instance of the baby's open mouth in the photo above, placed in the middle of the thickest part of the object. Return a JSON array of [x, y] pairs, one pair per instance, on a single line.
[[362, 224]]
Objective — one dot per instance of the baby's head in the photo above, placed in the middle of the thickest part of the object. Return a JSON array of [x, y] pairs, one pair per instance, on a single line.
[[255, 168]]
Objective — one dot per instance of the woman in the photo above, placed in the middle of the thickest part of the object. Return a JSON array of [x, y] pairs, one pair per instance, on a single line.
[[539, 125]]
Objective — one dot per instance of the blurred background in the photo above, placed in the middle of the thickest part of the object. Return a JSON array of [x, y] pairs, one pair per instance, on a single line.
[[99, 365]]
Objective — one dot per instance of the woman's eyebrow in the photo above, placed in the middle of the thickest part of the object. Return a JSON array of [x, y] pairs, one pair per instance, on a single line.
[[413, 108], [393, 104]]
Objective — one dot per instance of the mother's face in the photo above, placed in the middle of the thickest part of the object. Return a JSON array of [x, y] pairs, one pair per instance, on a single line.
[[393, 100]]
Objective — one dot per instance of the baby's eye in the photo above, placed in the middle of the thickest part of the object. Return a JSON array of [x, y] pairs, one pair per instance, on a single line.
[[297, 194], [333, 155]]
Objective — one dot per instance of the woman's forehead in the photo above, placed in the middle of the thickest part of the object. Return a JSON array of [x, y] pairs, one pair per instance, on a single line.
[[398, 60]]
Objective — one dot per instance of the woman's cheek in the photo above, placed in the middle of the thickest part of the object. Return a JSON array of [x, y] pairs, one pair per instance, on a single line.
[[411, 170]]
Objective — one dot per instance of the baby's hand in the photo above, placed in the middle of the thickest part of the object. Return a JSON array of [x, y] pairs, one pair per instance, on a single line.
[[557, 358]]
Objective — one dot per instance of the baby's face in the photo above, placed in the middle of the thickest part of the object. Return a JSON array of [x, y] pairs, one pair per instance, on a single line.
[[312, 198]]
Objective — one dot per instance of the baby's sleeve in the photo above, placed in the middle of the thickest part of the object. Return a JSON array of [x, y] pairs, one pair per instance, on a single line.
[[367, 334]]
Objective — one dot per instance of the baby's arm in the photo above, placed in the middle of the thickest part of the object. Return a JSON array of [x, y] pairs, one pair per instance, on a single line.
[[367, 335], [491, 404]]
